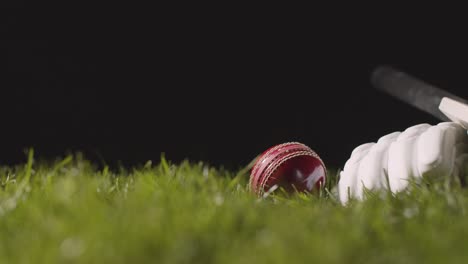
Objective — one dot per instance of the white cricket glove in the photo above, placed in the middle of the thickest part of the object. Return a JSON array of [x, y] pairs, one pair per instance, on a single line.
[[398, 158]]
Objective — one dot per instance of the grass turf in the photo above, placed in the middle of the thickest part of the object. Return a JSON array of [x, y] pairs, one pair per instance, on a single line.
[[70, 212]]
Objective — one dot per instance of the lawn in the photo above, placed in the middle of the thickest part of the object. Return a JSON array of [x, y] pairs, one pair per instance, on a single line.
[[70, 211]]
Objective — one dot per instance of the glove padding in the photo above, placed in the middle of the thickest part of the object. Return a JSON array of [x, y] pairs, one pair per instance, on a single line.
[[421, 150]]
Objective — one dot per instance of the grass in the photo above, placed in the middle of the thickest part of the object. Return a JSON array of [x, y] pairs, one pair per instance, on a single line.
[[70, 212]]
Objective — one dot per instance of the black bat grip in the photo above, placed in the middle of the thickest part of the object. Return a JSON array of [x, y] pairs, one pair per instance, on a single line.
[[411, 90]]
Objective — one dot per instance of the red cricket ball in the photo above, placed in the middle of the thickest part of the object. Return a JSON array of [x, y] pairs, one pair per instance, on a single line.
[[292, 166]]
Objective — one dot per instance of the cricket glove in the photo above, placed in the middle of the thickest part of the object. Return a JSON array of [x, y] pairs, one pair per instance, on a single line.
[[401, 157]]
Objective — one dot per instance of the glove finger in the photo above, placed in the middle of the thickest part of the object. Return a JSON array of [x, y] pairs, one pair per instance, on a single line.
[[373, 167], [460, 132], [401, 163], [437, 149], [348, 177]]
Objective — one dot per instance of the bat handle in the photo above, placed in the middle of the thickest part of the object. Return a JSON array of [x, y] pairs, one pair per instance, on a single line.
[[411, 90]]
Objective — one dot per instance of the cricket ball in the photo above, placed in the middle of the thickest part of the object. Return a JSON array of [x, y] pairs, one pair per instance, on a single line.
[[292, 166]]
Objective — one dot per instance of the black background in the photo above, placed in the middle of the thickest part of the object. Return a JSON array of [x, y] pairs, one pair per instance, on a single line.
[[124, 86]]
